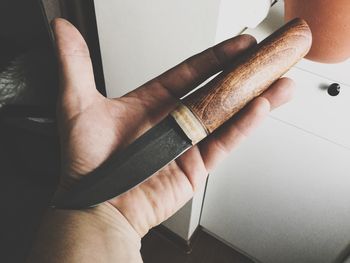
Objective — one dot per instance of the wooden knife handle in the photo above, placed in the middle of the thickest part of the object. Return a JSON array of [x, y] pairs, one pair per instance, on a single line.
[[252, 74]]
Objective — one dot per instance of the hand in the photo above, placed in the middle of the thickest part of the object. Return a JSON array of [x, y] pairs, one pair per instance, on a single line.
[[92, 127]]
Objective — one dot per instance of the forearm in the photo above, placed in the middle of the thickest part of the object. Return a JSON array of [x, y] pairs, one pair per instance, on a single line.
[[99, 234]]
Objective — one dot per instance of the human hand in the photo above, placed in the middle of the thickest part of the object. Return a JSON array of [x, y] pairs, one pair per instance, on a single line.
[[91, 126]]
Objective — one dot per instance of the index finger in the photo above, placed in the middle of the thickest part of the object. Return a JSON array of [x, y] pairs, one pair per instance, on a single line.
[[158, 97], [182, 78]]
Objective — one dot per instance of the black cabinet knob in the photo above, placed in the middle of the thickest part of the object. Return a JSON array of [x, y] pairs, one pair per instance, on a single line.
[[334, 89]]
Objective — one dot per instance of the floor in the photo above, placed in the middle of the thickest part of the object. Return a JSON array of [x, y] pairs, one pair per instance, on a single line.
[[157, 248]]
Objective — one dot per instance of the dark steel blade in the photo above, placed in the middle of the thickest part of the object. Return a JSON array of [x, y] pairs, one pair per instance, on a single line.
[[126, 169]]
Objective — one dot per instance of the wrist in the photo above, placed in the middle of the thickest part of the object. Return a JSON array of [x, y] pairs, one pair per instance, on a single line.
[[95, 234], [109, 209], [103, 217]]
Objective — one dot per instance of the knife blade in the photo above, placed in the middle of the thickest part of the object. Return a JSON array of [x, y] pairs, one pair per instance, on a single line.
[[197, 115]]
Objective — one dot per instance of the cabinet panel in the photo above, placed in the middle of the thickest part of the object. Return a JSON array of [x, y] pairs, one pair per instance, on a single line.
[[315, 111], [282, 196]]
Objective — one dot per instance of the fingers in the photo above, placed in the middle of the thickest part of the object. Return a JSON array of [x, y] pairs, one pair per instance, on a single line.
[[159, 96], [279, 93], [184, 77], [222, 141], [76, 72]]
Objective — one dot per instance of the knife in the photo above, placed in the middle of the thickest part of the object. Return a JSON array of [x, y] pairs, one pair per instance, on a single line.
[[196, 116]]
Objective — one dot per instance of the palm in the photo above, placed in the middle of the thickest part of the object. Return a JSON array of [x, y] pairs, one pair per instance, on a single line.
[[92, 127]]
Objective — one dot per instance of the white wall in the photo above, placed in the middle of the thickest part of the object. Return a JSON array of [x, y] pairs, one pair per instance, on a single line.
[[141, 39]]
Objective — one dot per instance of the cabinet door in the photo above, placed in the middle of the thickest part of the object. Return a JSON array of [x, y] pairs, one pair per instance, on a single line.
[[283, 196]]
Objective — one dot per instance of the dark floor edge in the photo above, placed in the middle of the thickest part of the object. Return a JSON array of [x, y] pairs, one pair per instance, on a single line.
[[238, 250], [183, 244]]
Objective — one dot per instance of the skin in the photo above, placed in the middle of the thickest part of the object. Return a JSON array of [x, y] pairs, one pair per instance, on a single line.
[[91, 127]]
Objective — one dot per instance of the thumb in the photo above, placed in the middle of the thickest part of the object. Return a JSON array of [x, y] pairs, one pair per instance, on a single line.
[[77, 84]]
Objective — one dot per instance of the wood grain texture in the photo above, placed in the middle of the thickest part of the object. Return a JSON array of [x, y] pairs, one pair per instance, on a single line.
[[252, 74]]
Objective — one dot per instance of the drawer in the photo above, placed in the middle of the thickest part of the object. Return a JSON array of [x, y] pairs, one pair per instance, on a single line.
[[315, 111]]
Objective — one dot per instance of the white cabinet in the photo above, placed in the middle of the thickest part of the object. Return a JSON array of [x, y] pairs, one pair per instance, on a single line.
[[284, 195]]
